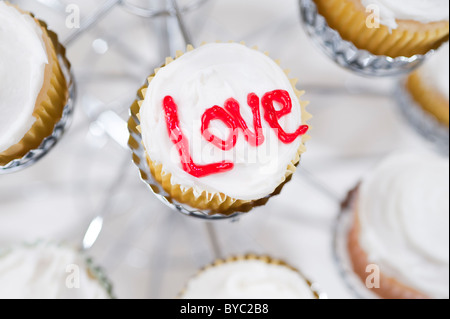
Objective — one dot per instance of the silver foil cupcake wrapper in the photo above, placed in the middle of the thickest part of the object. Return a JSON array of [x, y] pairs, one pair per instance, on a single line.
[[100, 275], [341, 253], [61, 126], [346, 54], [423, 122]]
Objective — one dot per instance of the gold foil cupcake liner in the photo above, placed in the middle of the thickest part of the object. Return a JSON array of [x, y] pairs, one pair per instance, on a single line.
[[315, 287], [349, 18], [206, 205], [347, 55], [428, 97], [61, 81], [422, 121]]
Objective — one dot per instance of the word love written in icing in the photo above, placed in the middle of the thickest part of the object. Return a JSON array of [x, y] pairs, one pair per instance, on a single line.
[[231, 116]]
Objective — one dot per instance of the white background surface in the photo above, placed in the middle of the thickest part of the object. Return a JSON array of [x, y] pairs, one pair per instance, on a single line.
[[149, 251]]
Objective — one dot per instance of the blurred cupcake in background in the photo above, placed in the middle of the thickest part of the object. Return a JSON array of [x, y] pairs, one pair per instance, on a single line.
[[249, 277], [33, 89], [399, 242], [387, 27], [50, 271], [429, 85]]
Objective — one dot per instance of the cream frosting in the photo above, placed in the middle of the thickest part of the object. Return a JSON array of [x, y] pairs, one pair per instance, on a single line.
[[22, 65], [424, 11], [44, 271], [404, 218], [435, 71], [206, 77], [248, 279]]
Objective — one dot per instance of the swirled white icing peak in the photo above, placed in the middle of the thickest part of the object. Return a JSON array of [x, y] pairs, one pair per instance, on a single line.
[[424, 11], [47, 271], [22, 65], [404, 218], [248, 279], [207, 77]]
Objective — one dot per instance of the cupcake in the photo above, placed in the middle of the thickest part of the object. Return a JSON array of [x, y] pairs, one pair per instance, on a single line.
[[33, 90], [390, 28], [49, 271], [429, 85], [249, 277], [399, 242], [223, 127]]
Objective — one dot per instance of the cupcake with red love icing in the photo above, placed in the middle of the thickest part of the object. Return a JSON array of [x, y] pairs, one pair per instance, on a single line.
[[223, 127]]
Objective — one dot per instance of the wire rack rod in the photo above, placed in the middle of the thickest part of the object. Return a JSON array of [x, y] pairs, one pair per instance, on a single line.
[[91, 21]]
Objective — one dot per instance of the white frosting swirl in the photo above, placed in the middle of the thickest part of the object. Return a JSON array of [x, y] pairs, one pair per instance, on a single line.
[[404, 217], [206, 77], [22, 65], [42, 272], [435, 71], [424, 11], [249, 279]]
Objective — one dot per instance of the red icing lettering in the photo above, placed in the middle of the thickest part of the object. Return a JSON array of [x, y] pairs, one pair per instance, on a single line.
[[231, 116], [232, 106], [179, 139], [273, 116], [218, 113]]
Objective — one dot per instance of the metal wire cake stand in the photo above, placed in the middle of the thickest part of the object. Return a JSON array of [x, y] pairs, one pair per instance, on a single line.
[[175, 36]]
